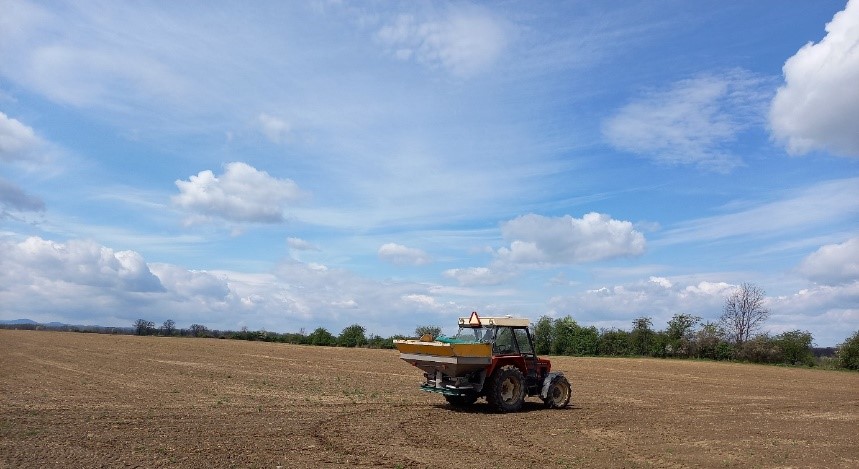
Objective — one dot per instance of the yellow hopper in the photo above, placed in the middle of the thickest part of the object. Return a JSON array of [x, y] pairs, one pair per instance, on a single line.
[[452, 359]]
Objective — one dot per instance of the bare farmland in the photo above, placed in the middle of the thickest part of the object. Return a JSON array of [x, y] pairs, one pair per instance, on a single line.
[[86, 400]]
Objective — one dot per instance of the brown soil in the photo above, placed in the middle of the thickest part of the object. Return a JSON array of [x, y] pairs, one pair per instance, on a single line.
[[86, 400]]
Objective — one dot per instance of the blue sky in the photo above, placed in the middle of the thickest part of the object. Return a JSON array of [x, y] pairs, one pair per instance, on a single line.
[[289, 165]]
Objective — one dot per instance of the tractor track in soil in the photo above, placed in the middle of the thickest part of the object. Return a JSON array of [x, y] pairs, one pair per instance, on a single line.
[[86, 400]]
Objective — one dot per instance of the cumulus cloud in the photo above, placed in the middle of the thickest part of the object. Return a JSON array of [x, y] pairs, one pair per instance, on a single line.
[[185, 284], [818, 105], [657, 297], [693, 121], [833, 264], [38, 262], [540, 240], [465, 41], [830, 312], [403, 255], [241, 194]]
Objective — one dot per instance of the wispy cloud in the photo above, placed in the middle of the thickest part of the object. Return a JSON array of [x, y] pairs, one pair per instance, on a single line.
[[464, 40], [818, 205], [693, 122]]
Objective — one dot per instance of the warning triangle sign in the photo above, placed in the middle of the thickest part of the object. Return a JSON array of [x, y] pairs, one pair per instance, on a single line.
[[474, 320]]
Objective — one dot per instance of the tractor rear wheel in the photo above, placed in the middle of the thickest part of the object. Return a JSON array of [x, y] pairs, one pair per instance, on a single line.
[[559, 393], [507, 389], [461, 401]]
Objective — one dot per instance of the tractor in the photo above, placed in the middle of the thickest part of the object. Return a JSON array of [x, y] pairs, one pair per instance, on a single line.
[[491, 357]]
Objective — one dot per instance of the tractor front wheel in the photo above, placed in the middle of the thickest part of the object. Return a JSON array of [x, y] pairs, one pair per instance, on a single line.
[[507, 390], [559, 392]]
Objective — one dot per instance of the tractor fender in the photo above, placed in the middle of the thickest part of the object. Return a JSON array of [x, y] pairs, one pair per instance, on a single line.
[[547, 381]]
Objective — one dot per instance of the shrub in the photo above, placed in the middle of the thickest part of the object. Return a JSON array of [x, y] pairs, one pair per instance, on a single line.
[[433, 331], [641, 337], [761, 349], [544, 335], [614, 342], [848, 352], [796, 347], [571, 339], [320, 336], [352, 336]]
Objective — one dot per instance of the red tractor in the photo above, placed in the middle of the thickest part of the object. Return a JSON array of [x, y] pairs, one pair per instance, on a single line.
[[491, 357]]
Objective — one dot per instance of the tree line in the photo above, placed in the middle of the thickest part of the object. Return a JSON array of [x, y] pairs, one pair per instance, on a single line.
[[735, 336]]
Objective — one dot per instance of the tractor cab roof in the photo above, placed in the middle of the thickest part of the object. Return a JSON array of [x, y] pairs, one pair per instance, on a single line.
[[492, 321]]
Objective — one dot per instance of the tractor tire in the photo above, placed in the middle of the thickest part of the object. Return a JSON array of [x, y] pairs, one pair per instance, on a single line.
[[559, 393], [460, 402], [507, 389]]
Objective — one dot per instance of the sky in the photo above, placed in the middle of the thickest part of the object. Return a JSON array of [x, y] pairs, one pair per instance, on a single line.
[[293, 165]]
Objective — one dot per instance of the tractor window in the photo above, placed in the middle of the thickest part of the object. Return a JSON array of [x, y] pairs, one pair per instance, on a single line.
[[474, 334], [524, 343], [504, 343]]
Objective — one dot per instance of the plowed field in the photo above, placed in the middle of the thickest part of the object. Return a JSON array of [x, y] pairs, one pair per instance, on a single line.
[[87, 400]]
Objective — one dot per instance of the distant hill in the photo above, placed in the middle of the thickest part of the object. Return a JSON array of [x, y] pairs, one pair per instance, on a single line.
[[18, 321], [29, 324]]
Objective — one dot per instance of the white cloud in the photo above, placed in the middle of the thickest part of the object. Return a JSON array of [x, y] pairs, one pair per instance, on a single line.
[[566, 240], [818, 106], [241, 194], [833, 264], [661, 281], [826, 311], [659, 298], [299, 244], [693, 122], [18, 142], [477, 276], [275, 129], [38, 264], [829, 312], [183, 283], [402, 255], [465, 41]]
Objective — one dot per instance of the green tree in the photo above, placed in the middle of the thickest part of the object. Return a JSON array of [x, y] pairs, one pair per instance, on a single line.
[[796, 347], [544, 335], [563, 335], [680, 334], [321, 336], [433, 331], [641, 337], [710, 343], [760, 349], [848, 352], [569, 338], [614, 342], [352, 336]]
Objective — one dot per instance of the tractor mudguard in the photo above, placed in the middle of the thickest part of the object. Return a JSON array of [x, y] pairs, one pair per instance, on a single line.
[[547, 381]]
